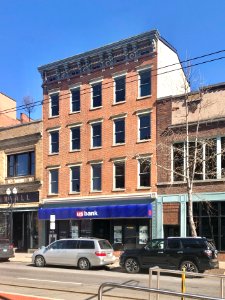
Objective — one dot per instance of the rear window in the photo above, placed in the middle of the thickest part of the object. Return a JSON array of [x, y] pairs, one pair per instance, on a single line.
[[87, 245], [193, 243], [4, 241], [104, 244]]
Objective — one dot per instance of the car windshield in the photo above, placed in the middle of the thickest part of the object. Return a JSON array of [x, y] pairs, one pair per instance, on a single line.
[[104, 244]]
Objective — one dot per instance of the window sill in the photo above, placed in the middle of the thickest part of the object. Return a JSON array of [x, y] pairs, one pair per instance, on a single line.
[[74, 193], [143, 188], [94, 108], [144, 141], [118, 190], [74, 112], [53, 154], [96, 191], [95, 148], [116, 145], [77, 150], [144, 97], [53, 117], [118, 103], [52, 195]]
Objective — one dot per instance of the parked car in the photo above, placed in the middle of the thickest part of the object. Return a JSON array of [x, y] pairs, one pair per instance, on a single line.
[[6, 249], [81, 252], [195, 254]]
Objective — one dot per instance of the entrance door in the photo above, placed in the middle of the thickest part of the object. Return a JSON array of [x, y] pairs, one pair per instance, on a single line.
[[101, 229]]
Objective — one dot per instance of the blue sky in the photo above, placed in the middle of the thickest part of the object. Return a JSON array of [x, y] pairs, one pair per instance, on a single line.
[[36, 32]]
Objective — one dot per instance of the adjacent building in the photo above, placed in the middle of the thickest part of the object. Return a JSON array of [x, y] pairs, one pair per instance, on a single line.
[[99, 136], [20, 176], [206, 110]]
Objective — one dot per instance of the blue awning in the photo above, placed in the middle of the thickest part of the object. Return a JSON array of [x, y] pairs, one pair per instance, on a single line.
[[97, 212]]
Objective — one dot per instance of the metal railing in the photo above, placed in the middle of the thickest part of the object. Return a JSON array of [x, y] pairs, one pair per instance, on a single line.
[[158, 271], [152, 290]]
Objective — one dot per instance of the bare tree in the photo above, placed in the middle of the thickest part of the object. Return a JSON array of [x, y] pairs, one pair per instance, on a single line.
[[29, 106]]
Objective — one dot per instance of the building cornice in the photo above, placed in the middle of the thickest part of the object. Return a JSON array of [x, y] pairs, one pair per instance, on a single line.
[[123, 51]]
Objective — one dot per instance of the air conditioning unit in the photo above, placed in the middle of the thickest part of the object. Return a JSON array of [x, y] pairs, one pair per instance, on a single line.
[[153, 195]]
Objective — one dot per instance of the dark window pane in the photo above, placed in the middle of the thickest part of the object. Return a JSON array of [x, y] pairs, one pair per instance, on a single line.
[[178, 162], [210, 159], [97, 135], [97, 95], [120, 89], [144, 172], [119, 131], [87, 245], [55, 105], [75, 138], [75, 99], [32, 163], [54, 142], [119, 175], [145, 83], [144, 127], [22, 164], [54, 178], [75, 179], [223, 157], [198, 174], [96, 177]]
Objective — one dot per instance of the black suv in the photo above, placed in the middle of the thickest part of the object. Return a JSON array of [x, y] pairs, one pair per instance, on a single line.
[[195, 254]]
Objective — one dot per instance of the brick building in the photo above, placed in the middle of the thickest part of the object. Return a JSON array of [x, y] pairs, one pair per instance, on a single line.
[[208, 188], [20, 183], [99, 135]]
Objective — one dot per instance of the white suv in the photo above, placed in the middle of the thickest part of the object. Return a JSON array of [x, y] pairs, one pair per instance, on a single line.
[[81, 252]]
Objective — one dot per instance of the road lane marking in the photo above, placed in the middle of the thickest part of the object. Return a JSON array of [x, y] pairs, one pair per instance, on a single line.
[[26, 296], [54, 281]]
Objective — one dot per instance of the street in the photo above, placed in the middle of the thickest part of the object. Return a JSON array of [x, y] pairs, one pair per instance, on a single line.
[[70, 283]]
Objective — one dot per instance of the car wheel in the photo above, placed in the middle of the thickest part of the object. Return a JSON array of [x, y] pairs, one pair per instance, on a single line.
[[189, 266], [84, 264], [39, 261], [132, 265]]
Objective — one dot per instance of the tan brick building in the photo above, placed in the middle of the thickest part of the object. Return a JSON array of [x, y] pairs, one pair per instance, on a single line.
[[20, 183], [209, 187], [99, 135]]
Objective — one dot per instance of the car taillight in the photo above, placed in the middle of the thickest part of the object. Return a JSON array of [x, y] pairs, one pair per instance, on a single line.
[[97, 253], [208, 253], [11, 246]]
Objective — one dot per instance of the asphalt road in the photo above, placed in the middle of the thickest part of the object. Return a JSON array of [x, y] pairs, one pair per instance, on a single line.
[[70, 283]]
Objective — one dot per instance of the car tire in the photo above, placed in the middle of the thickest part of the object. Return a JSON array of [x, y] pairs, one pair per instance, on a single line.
[[84, 264], [132, 265], [189, 266], [39, 261]]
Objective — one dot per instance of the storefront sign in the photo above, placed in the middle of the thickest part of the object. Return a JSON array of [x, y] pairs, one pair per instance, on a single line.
[[95, 212], [20, 198]]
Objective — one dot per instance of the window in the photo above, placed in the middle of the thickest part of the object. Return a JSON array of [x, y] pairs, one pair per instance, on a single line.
[[178, 162], [120, 84], [54, 181], [75, 99], [96, 135], [96, 177], [119, 175], [144, 127], [144, 83], [210, 159], [222, 157], [75, 179], [96, 95], [144, 172], [87, 245], [54, 141], [54, 105], [119, 131], [75, 138], [21, 164]]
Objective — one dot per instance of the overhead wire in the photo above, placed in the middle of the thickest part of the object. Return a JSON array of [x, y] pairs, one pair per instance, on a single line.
[[41, 102]]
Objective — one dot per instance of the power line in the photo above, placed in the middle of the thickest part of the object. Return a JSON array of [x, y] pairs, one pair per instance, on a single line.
[[41, 102]]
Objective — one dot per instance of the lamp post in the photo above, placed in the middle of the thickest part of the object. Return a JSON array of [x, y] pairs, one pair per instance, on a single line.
[[11, 202]]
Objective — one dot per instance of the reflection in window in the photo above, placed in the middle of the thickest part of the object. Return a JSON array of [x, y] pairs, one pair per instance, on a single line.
[[21, 164], [96, 177]]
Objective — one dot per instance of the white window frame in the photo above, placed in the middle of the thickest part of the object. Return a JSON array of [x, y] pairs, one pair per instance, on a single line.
[[50, 139], [75, 87], [71, 127], [148, 157], [72, 166], [50, 181], [139, 70], [116, 76], [114, 131], [114, 174], [139, 114], [50, 94], [92, 83], [91, 183], [91, 135]]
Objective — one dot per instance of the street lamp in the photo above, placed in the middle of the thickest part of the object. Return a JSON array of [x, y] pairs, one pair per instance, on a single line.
[[11, 202]]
